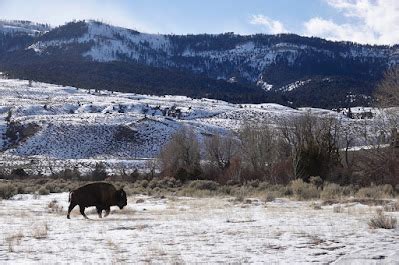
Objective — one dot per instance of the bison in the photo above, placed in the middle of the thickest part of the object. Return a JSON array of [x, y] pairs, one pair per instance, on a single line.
[[101, 195]]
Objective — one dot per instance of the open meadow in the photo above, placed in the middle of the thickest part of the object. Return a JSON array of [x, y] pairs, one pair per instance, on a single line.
[[179, 230]]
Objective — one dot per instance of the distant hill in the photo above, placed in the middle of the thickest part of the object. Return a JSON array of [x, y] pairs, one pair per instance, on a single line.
[[285, 68]]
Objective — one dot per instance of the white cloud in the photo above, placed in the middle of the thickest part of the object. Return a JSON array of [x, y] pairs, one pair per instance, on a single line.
[[338, 32], [369, 21], [272, 26]]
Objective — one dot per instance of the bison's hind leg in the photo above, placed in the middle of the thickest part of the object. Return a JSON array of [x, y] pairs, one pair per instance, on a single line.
[[99, 211], [107, 211], [82, 211], [70, 208]]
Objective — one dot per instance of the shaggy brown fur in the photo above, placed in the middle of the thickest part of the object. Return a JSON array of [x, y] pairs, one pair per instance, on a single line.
[[101, 195]]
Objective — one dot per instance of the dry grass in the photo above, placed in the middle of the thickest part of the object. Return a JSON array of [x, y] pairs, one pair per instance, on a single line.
[[112, 245], [303, 190], [13, 240], [54, 207], [331, 191], [315, 206], [7, 190], [338, 209], [392, 207], [298, 189], [376, 192], [117, 255], [125, 211], [382, 221], [40, 231], [269, 197]]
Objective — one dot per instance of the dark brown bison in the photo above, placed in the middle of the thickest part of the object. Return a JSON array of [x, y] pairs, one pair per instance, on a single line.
[[101, 195]]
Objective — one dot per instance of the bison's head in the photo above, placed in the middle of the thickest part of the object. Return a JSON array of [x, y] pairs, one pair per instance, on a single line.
[[121, 198]]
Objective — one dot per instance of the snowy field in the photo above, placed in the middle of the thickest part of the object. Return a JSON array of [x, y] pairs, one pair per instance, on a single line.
[[176, 230]]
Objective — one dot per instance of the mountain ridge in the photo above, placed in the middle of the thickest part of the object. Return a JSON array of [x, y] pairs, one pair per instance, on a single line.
[[267, 64]]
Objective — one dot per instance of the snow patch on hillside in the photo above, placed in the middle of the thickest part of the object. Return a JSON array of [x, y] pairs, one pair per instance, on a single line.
[[27, 27], [112, 43], [295, 85]]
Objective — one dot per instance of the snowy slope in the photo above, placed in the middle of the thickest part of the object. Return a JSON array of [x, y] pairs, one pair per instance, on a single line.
[[111, 43], [79, 124], [26, 27]]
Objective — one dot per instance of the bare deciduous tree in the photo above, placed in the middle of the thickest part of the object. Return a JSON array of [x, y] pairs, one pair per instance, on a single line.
[[313, 145], [223, 162], [387, 92], [261, 150], [180, 157], [220, 150], [380, 164]]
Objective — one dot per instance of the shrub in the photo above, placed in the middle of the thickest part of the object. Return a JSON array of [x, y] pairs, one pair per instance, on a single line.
[[54, 207], [52, 187], [225, 190], [315, 206], [304, 191], [280, 190], [382, 221], [269, 197], [144, 183], [13, 240], [387, 190], [241, 194], [316, 181], [331, 191], [21, 189], [19, 172], [40, 231], [338, 208], [164, 183], [43, 191], [7, 190], [99, 173], [153, 183], [204, 185], [391, 207], [254, 183], [349, 190], [375, 192], [69, 174]]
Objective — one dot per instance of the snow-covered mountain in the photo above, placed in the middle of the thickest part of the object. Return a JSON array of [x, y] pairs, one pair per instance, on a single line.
[[41, 122], [24, 27], [257, 52], [265, 66]]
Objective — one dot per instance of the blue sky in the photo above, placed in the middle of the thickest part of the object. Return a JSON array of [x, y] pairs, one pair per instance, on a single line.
[[365, 21], [224, 15]]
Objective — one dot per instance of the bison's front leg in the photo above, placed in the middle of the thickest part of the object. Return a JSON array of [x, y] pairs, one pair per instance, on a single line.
[[82, 211], [107, 211], [99, 211], [70, 208]]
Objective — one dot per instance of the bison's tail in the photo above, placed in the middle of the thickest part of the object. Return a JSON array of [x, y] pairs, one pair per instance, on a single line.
[[70, 195]]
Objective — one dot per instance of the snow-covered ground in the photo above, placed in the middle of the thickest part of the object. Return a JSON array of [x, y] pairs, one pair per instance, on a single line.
[[76, 125], [177, 230]]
